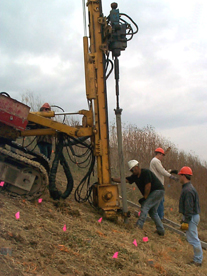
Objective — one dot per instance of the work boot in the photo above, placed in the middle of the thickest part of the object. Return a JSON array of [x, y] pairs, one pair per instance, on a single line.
[[194, 263], [138, 225], [159, 233]]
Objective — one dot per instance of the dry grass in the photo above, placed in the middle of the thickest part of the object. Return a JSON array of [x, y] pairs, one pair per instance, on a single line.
[[41, 247], [140, 144]]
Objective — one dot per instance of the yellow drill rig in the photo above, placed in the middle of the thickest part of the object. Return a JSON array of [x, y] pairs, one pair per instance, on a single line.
[[28, 173]]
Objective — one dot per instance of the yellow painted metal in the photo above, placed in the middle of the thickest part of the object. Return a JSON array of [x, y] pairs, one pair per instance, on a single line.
[[101, 116], [106, 194], [72, 131], [95, 120], [47, 114], [88, 117], [89, 71]]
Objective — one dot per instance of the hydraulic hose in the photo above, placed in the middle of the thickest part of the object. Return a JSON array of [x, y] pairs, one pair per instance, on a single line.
[[59, 157]]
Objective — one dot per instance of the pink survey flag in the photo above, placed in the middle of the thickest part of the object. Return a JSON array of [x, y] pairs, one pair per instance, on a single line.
[[2, 183], [135, 242], [40, 200], [17, 215], [64, 228], [115, 256], [139, 213], [145, 239], [100, 220]]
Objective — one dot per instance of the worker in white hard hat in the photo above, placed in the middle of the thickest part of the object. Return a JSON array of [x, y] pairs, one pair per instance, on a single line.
[[157, 168], [152, 191]]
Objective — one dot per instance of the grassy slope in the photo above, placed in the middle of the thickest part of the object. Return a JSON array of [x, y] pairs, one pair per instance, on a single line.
[[41, 247]]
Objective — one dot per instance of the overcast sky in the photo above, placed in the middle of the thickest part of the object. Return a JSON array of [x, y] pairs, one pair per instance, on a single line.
[[162, 72]]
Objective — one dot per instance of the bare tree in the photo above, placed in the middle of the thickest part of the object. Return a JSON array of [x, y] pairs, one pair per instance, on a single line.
[[34, 102]]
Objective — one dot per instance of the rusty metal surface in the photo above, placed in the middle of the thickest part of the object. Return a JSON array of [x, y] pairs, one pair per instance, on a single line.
[[13, 113], [8, 132]]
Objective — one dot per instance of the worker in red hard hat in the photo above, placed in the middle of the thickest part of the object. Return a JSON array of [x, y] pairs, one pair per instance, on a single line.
[[190, 208], [44, 142], [152, 191], [157, 168], [45, 107], [160, 150]]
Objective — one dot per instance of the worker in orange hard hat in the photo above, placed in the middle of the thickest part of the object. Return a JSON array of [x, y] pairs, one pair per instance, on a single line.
[[44, 142], [157, 168], [160, 150], [190, 208], [45, 107]]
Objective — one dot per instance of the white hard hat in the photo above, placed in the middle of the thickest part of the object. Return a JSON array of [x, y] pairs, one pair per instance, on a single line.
[[132, 164]]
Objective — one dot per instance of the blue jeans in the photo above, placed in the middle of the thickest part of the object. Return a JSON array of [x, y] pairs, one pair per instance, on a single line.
[[160, 209], [150, 206], [192, 238]]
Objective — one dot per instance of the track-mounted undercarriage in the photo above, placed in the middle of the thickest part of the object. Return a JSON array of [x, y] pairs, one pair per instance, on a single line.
[[22, 173]]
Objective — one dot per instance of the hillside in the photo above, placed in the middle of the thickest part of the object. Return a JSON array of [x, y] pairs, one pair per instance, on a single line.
[[41, 247]]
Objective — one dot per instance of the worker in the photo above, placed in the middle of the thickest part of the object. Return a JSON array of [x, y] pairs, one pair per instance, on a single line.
[[44, 142], [152, 191], [189, 207], [157, 168]]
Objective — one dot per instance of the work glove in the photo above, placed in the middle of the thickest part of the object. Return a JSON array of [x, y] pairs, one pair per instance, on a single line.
[[141, 200], [184, 226], [173, 171], [174, 178]]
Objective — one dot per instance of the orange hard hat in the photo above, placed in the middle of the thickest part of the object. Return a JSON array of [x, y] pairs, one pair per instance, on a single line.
[[185, 170], [46, 105], [160, 150]]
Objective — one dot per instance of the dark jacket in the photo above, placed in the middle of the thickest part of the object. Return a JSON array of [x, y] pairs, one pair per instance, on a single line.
[[44, 139], [189, 202], [146, 177]]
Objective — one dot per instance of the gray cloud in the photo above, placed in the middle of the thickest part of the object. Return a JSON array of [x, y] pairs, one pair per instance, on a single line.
[[162, 72], [35, 27]]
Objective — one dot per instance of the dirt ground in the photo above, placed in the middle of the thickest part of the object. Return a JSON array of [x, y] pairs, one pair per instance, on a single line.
[[36, 243]]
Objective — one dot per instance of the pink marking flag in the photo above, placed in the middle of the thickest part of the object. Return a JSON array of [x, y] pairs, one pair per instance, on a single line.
[[135, 242], [115, 256], [40, 200], [17, 215], [2, 183], [100, 220], [139, 213], [64, 228], [145, 239]]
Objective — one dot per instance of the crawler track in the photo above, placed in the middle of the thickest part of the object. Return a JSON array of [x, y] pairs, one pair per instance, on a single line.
[[30, 167]]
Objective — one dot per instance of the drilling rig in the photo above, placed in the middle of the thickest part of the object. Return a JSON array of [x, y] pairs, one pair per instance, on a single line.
[[26, 172]]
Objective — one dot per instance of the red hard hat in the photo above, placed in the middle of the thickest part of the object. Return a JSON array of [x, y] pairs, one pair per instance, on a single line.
[[46, 105], [186, 170], [160, 150]]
